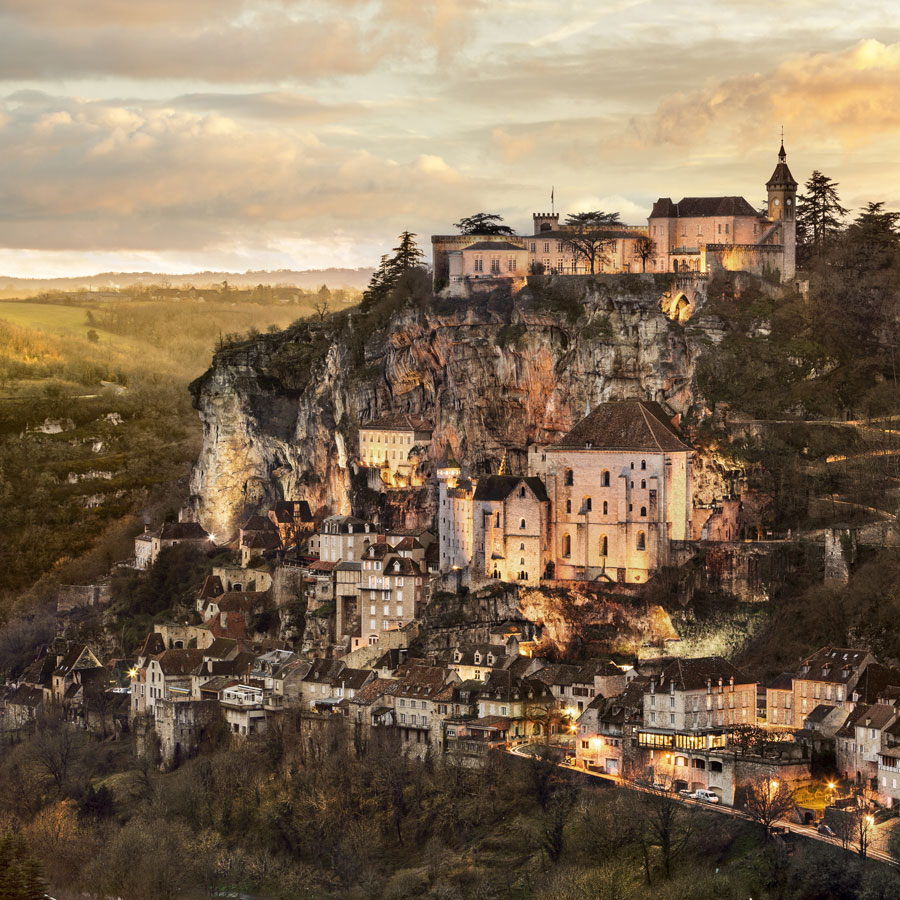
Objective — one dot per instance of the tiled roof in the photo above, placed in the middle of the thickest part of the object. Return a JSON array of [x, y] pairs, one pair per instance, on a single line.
[[324, 671], [258, 523], [877, 716], [499, 487], [368, 694], [698, 207], [624, 425], [402, 565]]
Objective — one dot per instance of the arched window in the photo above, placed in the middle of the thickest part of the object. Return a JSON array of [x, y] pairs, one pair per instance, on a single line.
[[605, 508], [632, 467], [641, 541], [570, 477], [522, 491], [604, 546], [521, 546], [604, 478], [568, 506], [522, 524], [586, 504], [567, 545], [522, 561], [643, 483], [643, 465], [643, 510]]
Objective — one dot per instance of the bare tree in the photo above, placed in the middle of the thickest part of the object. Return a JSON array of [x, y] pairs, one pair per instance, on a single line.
[[768, 800], [663, 823], [54, 747], [644, 248]]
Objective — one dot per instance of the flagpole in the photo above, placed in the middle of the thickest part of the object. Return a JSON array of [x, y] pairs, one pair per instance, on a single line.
[[552, 200]]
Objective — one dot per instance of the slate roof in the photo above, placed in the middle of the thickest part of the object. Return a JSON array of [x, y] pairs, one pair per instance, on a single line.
[[782, 174], [351, 679], [493, 245], [220, 648], [693, 674], [179, 661], [401, 565], [70, 660], [698, 207], [258, 523], [784, 682], [819, 714], [499, 487], [397, 422], [622, 425], [261, 540], [183, 531], [324, 671], [153, 645], [285, 511], [240, 601], [876, 680], [837, 665], [218, 684], [212, 587]]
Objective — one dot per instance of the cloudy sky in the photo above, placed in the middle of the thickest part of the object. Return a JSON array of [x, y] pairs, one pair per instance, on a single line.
[[177, 135]]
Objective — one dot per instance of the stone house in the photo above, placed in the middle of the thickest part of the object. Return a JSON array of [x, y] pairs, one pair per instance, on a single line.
[[392, 599], [606, 736], [347, 579], [171, 534], [21, 707], [413, 699], [342, 538], [182, 725], [78, 670], [169, 676], [243, 708], [861, 739], [780, 702], [694, 696], [828, 676], [293, 520], [455, 511], [393, 444], [510, 528], [620, 491], [366, 710], [889, 765]]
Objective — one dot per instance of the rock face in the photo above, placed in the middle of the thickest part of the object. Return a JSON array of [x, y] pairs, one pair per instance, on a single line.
[[280, 412]]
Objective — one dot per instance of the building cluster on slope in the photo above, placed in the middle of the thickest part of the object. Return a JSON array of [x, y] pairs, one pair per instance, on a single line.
[[697, 235]]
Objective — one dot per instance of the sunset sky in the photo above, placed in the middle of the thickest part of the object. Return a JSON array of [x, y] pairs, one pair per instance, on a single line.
[[178, 135]]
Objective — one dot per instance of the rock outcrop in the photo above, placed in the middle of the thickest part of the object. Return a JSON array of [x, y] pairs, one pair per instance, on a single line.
[[280, 412]]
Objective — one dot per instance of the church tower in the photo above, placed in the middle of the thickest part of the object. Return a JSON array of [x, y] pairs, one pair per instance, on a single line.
[[783, 209]]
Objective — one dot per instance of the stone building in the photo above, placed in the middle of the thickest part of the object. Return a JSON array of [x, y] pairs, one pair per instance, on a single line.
[[182, 726], [392, 444], [455, 508], [619, 485], [510, 527], [828, 676], [148, 544], [342, 538], [696, 235]]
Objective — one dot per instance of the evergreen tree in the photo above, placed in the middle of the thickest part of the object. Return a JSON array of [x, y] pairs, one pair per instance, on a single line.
[[407, 254], [483, 223], [819, 213], [873, 237]]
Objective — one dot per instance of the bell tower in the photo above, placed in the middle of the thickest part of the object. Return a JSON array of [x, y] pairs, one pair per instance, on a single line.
[[782, 190]]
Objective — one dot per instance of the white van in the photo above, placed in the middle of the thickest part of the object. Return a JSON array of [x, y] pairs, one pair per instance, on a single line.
[[708, 796]]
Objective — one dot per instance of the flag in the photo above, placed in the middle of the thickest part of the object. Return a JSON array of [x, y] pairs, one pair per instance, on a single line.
[[551, 195]]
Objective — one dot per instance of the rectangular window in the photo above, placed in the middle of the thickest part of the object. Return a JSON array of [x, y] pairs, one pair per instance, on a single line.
[[511, 264], [726, 228], [546, 246], [479, 264], [495, 265], [560, 264]]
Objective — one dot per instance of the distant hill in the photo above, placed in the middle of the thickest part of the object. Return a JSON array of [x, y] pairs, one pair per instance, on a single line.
[[306, 278]]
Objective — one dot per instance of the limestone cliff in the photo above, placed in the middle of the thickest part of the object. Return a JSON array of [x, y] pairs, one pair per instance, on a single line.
[[493, 374]]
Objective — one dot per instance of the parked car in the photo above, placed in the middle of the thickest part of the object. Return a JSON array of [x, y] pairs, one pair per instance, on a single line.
[[825, 829], [707, 796]]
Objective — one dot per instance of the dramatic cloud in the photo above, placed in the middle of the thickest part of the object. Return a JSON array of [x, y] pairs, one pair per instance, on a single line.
[[303, 132]]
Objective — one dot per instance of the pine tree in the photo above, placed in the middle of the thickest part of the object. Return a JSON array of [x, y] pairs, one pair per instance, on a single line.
[[483, 223], [407, 255], [819, 213], [873, 237]]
